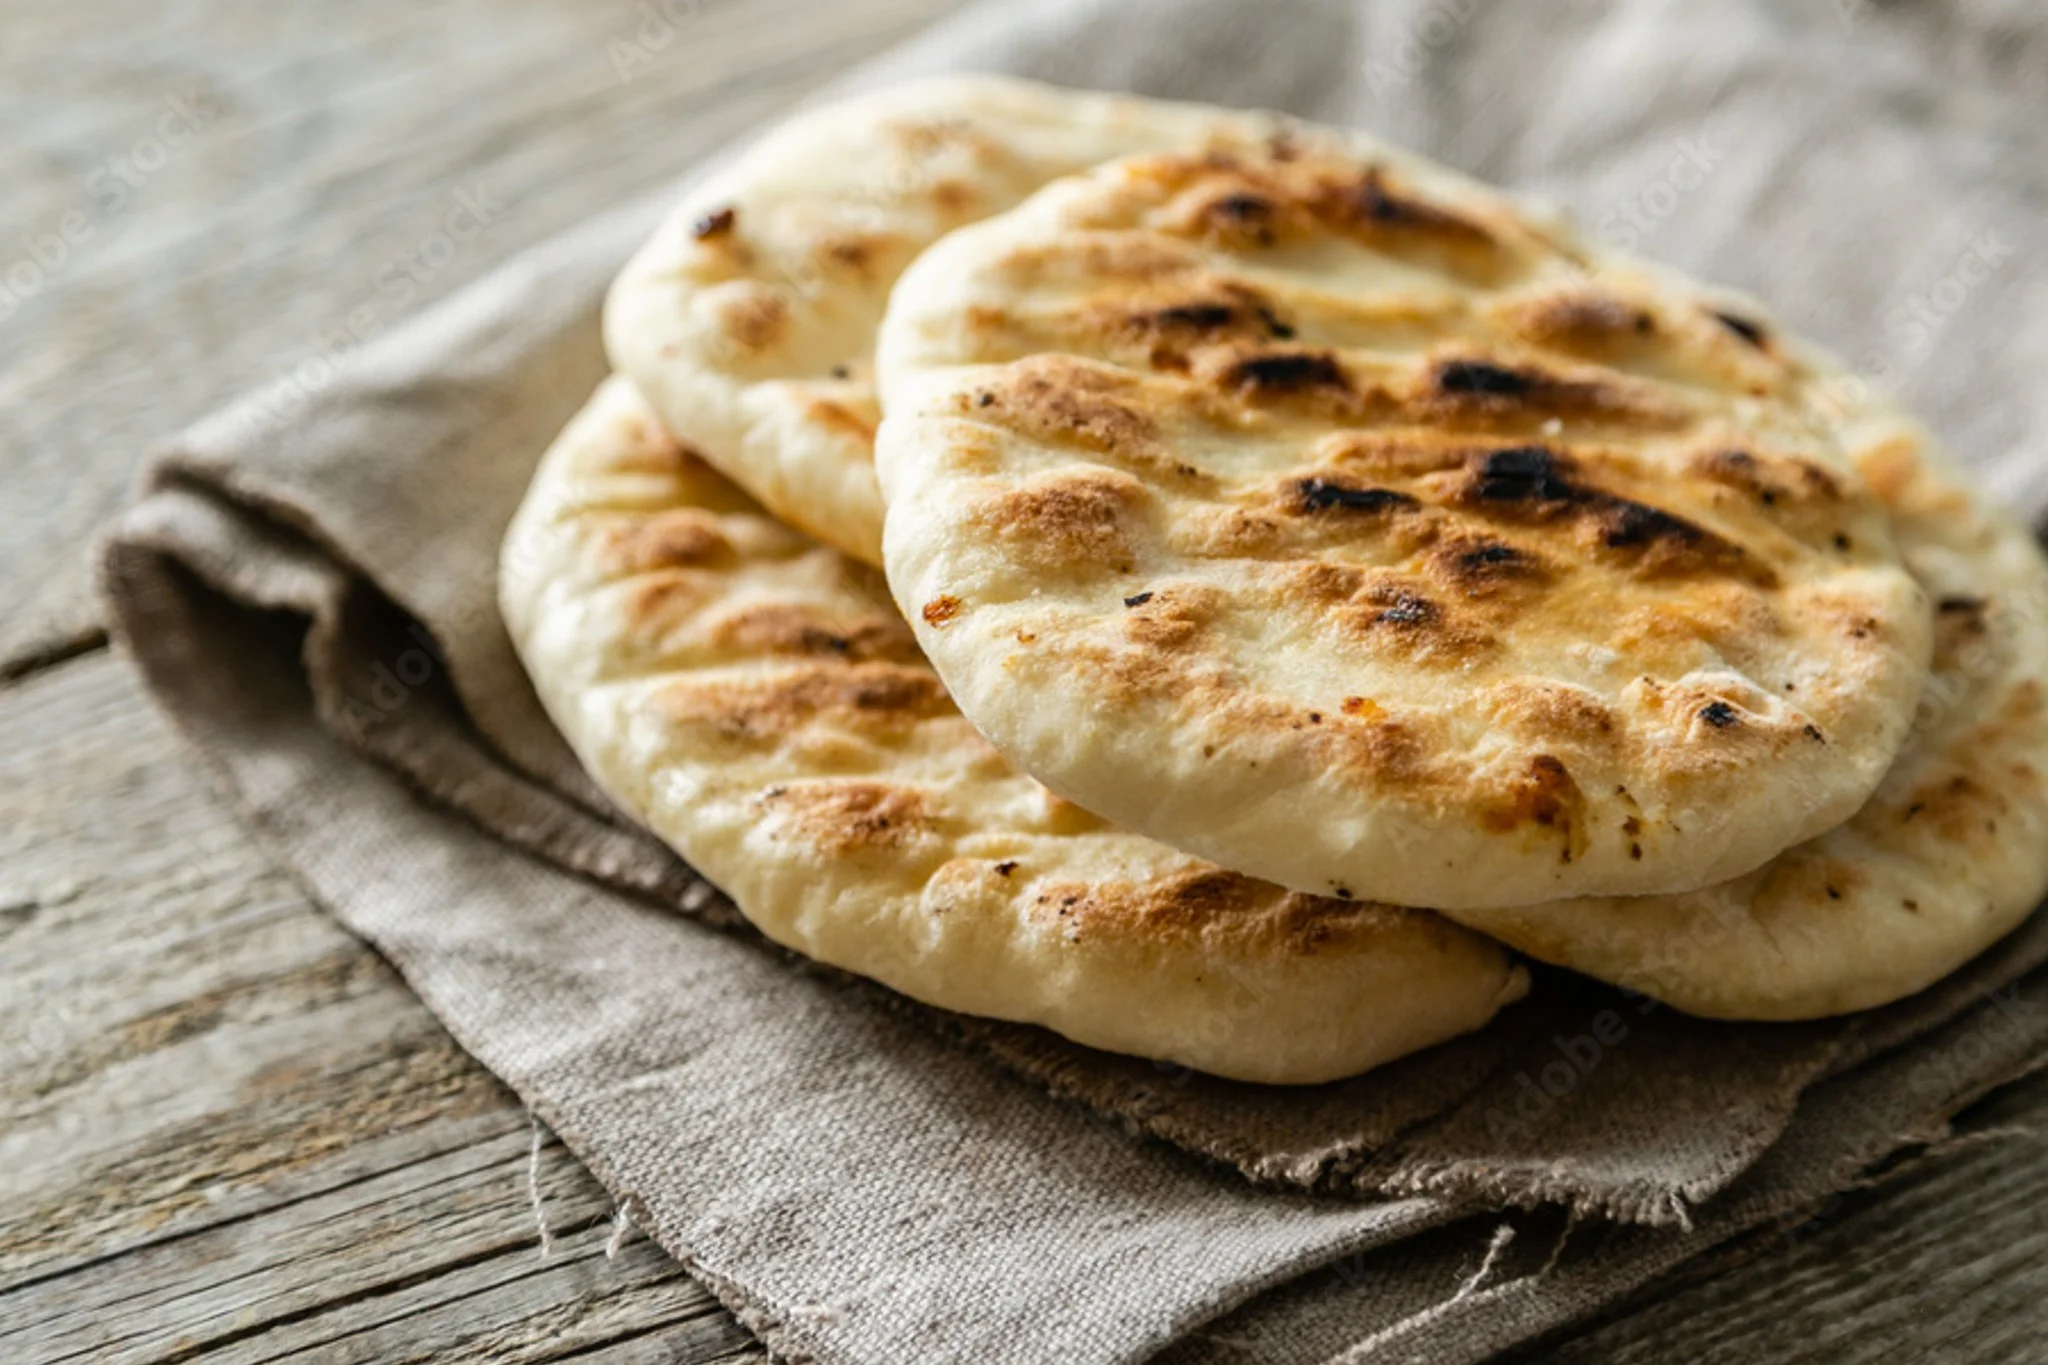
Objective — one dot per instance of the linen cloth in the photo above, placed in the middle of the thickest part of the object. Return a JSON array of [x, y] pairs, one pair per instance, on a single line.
[[307, 583]]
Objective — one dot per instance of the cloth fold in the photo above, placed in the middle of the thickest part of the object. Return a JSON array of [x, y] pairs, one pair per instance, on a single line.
[[306, 582]]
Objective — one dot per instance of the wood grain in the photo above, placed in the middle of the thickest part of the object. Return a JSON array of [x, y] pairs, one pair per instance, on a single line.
[[231, 1131], [227, 1130], [316, 161], [1944, 1260], [233, 1135]]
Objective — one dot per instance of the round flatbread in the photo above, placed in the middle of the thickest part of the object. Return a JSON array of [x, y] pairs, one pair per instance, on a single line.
[[1951, 853], [1316, 511], [749, 319], [756, 701]]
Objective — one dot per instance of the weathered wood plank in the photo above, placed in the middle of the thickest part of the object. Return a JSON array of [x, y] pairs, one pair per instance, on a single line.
[[212, 189], [437, 1257], [230, 1131], [1947, 1260], [172, 999], [292, 1160]]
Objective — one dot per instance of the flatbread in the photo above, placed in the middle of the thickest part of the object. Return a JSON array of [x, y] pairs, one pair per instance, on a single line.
[[1951, 853], [749, 319], [757, 702], [1318, 512]]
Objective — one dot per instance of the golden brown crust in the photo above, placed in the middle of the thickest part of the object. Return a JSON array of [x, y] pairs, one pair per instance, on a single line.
[[1414, 450], [749, 319], [1079, 519], [754, 699], [873, 699], [1943, 859], [784, 629], [847, 817], [753, 318]]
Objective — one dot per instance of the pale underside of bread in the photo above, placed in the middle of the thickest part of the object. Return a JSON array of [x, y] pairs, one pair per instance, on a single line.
[[1948, 856], [1317, 511], [755, 699], [749, 319]]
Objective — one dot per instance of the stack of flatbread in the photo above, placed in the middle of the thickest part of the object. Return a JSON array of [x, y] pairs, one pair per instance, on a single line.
[[1225, 589]]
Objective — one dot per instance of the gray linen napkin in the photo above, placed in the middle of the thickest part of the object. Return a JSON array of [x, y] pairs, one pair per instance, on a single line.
[[307, 579]]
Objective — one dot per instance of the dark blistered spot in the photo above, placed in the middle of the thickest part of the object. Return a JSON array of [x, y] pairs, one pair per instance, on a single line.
[[714, 224], [1375, 203], [941, 610], [1751, 332], [1242, 208], [1523, 474], [1720, 715], [1542, 481], [1842, 541], [1274, 326], [1287, 372], [1962, 606], [1834, 892], [1545, 795], [1771, 480], [984, 399], [841, 372], [1583, 319], [1635, 851], [1812, 732], [1319, 495], [1193, 316], [1384, 207], [1911, 904], [1006, 867], [1479, 376], [1137, 599], [1489, 556], [1625, 525], [1478, 565], [1399, 607], [1342, 892]]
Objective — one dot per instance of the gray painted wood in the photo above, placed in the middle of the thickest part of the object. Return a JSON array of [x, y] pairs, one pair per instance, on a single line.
[[1946, 1259], [227, 1131], [233, 1135], [231, 1132], [216, 187]]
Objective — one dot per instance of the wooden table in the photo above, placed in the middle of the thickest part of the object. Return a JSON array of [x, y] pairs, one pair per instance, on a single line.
[[227, 1131]]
